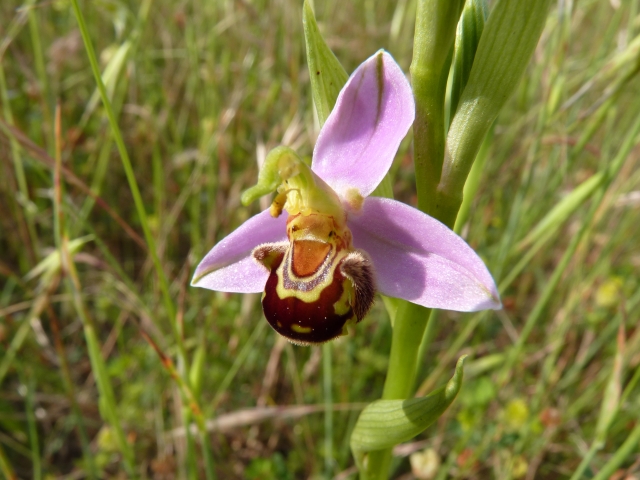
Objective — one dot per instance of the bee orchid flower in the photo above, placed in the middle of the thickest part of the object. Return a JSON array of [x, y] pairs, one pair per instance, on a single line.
[[320, 265]]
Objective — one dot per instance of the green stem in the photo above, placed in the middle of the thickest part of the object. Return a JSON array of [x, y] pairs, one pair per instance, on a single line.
[[107, 401], [408, 331], [595, 447], [68, 384], [16, 342], [142, 214], [18, 168], [436, 22], [597, 119], [429, 334], [107, 398], [190, 455], [621, 455], [428, 134], [43, 79], [119, 97], [473, 183]]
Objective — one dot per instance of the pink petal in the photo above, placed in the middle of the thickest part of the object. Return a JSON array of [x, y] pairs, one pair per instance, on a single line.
[[420, 259], [361, 136], [229, 267]]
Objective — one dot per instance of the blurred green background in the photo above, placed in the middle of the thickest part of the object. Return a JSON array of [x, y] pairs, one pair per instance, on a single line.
[[201, 91]]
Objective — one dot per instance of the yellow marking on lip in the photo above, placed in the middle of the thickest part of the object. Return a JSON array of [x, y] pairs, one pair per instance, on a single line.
[[300, 329], [343, 304], [311, 295]]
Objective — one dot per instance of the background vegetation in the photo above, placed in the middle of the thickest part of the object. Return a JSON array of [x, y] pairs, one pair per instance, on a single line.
[[93, 364]]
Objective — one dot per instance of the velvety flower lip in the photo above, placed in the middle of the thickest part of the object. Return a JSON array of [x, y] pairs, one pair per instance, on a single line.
[[414, 256]]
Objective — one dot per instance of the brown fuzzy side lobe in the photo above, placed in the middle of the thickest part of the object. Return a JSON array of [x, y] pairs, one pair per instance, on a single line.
[[358, 268]]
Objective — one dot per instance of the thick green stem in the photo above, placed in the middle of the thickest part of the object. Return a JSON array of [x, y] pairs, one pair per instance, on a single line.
[[428, 134], [411, 322], [436, 22], [408, 330]]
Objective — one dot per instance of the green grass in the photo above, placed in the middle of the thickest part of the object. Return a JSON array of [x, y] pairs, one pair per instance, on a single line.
[[104, 350]]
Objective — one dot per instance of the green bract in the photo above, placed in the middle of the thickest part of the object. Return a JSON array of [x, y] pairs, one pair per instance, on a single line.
[[507, 43], [327, 74], [385, 423], [468, 34]]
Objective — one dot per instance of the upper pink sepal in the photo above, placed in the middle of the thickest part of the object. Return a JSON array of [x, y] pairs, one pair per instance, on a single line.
[[228, 267], [359, 140], [419, 259]]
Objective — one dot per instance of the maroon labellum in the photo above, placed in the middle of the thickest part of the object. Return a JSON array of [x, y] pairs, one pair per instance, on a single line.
[[316, 284]]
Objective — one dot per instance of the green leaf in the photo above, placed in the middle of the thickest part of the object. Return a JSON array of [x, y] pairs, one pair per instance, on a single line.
[[196, 372], [506, 45], [118, 56], [327, 74], [468, 35], [385, 423], [50, 265]]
